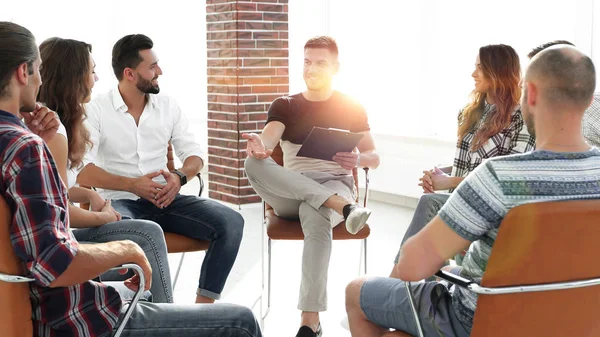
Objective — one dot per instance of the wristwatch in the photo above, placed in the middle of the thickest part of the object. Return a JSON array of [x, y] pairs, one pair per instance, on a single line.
[[182, 177]]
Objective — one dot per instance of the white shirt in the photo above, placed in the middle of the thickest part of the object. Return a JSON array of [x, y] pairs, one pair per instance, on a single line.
[[123, 148], [71, 173]]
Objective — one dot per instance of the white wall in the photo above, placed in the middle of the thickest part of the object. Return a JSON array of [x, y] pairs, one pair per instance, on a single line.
[[410, 63], [178, 32]]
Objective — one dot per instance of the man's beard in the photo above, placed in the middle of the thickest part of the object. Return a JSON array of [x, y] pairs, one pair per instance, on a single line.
[[30, 105], [146, 86]]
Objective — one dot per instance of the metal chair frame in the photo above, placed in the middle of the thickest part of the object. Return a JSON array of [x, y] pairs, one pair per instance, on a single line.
[[138, 294]]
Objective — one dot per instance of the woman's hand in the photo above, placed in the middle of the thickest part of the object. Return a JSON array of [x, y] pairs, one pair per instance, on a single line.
[[436, 180], [109, 214], [96, 201]]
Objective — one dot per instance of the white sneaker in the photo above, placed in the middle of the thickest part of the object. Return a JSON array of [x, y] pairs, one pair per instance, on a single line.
[[357, 219]]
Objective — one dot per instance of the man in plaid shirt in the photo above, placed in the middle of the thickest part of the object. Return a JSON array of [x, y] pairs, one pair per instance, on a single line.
[[64, 300]]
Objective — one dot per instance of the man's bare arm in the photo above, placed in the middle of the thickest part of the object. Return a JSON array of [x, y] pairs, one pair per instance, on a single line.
[[272, 134], [424, 254], [94, 259], [92, 175], [368, 157], [192, 166]]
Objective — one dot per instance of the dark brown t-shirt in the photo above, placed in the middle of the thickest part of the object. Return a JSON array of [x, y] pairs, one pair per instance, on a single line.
[[300, 116]]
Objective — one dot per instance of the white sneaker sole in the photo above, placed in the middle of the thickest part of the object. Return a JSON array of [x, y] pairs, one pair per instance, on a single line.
[[357, 220]]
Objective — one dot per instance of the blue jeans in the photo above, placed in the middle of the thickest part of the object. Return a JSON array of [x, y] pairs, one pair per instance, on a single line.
[[385, 303], [190, 320], [150, 237], [201, 219]]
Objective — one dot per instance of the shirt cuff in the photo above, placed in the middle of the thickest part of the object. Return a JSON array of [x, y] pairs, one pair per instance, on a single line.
[[54, 260]]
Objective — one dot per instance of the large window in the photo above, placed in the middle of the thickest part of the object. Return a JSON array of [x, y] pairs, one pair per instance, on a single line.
[[410, 62], [178, 32]]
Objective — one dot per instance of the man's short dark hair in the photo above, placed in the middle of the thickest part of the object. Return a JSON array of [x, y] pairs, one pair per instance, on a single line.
[[541, 47], [17, 46], [565, 76], [126, 52], [324, 42]]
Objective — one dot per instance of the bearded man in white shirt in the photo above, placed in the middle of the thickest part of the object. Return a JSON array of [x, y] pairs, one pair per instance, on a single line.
[[130, 128]]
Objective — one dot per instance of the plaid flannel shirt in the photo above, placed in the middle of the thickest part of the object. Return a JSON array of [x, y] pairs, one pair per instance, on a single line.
[[512, 139], [41, 239], [591, 122]]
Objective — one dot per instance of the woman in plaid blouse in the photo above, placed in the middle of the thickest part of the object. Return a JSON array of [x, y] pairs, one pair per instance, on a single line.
[[490, 125]]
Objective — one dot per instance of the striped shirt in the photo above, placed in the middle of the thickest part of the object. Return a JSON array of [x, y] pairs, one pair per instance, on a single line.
[[512, 139], [476, 208], [41, 239]]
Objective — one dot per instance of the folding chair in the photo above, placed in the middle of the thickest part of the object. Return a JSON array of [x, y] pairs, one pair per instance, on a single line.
[[542, 276], [283, 229], [15, 305]]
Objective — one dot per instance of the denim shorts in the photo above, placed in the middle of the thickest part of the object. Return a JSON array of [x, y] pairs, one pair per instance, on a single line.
[[385, 303]]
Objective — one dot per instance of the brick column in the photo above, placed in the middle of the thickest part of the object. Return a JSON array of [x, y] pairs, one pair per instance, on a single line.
[[247, 49]]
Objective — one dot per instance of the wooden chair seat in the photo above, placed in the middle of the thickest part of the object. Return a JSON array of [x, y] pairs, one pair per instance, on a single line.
[[282, 229], [177, 243]]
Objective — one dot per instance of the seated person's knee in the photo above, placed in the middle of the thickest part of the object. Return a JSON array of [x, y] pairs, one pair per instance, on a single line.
[[251, 165]]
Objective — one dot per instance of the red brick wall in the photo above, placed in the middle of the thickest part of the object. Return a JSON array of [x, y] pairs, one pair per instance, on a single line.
[[247, 49]]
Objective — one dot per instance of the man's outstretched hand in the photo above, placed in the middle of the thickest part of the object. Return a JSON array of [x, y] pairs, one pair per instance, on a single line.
[[255, 147]]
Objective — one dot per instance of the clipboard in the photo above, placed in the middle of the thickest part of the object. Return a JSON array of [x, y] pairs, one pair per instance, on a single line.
[[323, 143]]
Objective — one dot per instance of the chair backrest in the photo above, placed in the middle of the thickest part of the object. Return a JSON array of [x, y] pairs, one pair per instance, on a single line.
[[541, 243], [277, 156], [15, 305]]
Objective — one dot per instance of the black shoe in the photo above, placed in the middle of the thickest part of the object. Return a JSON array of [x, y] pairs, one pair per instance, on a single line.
[[306, 331]]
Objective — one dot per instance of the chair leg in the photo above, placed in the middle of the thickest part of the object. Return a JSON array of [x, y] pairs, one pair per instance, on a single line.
[[269, 276], [363, 258], [178, 270], [264, 315], [360, 258], [365, 253], [414, 309]]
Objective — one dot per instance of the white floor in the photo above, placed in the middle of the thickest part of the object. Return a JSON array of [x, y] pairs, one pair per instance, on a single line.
[[388, 224]]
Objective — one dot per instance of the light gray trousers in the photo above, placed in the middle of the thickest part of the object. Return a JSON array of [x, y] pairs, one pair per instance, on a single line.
[[301, 196]]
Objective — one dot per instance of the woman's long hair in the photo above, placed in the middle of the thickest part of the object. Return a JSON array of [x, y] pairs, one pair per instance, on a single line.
[[65, 69], [500, 66]]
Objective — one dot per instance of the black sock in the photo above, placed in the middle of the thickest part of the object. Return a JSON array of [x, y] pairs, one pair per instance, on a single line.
[[348, 209]]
